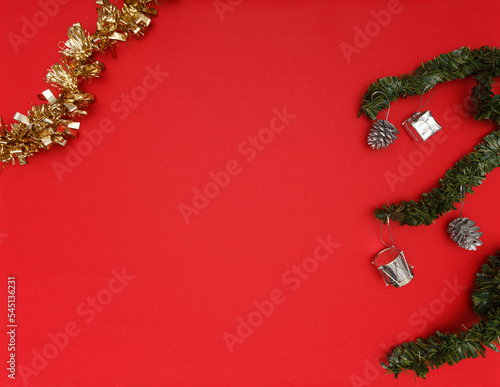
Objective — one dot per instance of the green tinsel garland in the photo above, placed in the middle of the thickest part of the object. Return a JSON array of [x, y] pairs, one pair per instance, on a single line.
[[483, 65], [422, 355]]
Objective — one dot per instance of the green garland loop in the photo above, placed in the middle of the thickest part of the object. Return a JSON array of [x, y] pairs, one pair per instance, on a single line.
[[483, 65], [422, 355]]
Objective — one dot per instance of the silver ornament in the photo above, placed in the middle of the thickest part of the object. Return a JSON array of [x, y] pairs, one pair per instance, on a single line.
[[421, 125], [396, 272], [465, 233], [391, 262], [382, 134]]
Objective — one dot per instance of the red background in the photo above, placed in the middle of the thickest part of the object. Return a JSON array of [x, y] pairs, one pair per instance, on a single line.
[[119, 205]]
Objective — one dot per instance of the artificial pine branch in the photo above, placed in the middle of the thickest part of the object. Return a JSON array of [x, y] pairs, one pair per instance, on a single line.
[[470, 171], [422, 355], [486, 295], [482, 63]]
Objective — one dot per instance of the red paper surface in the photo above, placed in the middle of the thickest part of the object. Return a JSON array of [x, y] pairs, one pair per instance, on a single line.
[[116, 287]]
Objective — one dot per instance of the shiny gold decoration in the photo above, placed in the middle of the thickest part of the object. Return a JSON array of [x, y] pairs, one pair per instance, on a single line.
[[53, 121]]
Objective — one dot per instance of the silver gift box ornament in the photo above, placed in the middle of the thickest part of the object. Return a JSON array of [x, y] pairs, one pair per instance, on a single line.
[[396, 272], [421, 125]]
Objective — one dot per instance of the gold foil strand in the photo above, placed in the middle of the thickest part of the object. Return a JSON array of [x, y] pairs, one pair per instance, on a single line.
[[53, 122], [49, 96]]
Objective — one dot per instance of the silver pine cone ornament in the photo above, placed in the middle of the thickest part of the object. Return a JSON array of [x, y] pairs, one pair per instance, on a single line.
[[382, 134], [465, 233]]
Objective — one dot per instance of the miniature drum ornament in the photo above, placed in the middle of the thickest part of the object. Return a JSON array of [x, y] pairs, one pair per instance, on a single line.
[[393, 267], [421, 125]]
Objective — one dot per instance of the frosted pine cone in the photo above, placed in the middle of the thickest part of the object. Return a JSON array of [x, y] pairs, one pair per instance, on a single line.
[[382, 134], [465, 233]]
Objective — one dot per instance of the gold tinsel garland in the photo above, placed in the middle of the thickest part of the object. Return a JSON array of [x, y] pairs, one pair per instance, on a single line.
[[54, 121]]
